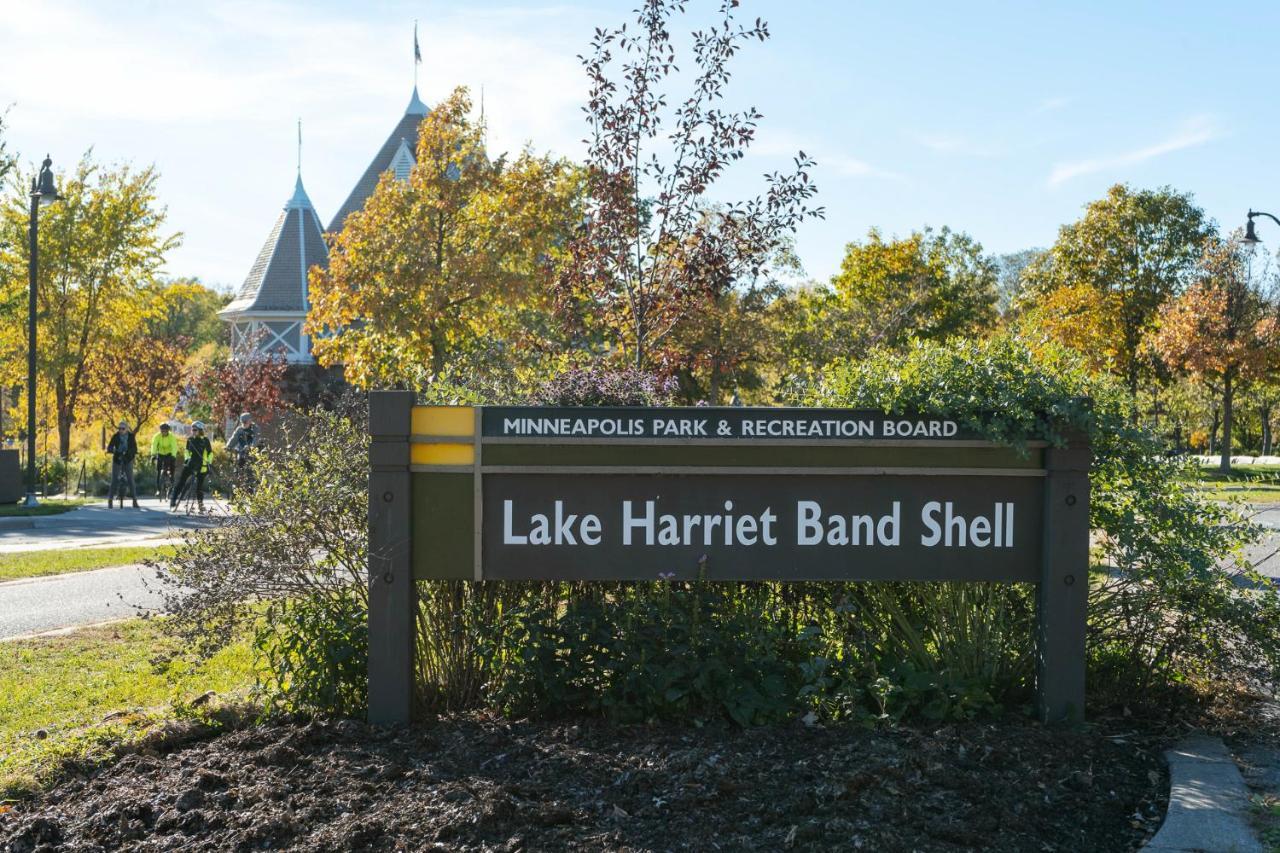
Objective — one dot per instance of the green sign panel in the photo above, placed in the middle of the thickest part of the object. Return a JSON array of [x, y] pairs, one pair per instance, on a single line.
[[542, 493]]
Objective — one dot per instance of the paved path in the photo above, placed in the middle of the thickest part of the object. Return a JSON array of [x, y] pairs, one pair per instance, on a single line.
[[95, 525], [1208, 802], [33, 605], [1266, 554]]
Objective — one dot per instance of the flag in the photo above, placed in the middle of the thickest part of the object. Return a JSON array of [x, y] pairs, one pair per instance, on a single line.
[[417, 53]]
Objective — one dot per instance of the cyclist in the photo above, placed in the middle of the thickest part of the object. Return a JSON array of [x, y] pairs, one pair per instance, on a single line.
[[123, 448], [199, 455], [164, 453], [244, 439]]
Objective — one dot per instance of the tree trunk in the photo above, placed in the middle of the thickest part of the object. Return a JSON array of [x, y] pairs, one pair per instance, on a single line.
[[713, 390], [1224, 464], [65, 417], [437, 351], [1213, 431], [1264, 412]]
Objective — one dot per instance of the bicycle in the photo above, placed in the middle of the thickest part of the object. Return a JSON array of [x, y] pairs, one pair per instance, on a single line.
[[120, 487], [165, 476]]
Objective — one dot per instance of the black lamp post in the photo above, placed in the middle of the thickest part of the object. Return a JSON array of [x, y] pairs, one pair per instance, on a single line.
[[1251, 238], [42, 192]]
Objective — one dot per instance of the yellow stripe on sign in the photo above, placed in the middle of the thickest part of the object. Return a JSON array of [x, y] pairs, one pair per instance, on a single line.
[[442, 454], [443, 420]]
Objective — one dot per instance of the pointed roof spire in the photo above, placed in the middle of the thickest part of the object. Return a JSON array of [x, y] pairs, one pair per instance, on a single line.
[[300, 200], [277, 282], [416, 107]]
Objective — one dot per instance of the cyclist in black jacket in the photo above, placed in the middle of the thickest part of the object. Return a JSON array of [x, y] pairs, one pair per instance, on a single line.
[[123, 448], [199, 455]]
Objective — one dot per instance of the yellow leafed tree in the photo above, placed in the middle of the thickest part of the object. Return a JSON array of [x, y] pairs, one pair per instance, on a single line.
[[447, 264], [100, 247]]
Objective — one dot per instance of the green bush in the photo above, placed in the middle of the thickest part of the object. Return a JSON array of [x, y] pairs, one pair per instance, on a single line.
[[649, 651], [290, 565], [1171, 600], [314, 652], [1167, 604]]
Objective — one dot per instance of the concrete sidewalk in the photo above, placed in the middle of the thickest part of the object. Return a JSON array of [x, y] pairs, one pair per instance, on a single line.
[[1208, 802], [96, 525]]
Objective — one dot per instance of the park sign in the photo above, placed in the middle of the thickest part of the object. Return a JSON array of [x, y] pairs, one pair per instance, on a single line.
[[705, 493]]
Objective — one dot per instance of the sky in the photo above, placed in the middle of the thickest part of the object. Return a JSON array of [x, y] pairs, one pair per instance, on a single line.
[[1000, 119]]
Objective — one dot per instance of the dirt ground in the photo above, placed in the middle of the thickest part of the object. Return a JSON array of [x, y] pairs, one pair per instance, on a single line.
[[485, 784]]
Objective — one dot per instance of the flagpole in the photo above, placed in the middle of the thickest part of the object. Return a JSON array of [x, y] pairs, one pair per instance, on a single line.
[[417, 54]]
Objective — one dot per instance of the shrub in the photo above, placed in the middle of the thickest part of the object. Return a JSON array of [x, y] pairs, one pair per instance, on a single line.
[[604, 386], [636, 652], [290, 564], [1171, 599]]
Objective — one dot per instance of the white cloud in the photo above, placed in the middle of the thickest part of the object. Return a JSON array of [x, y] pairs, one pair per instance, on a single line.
[[1049, 105], [1193, 132], [955, 143], [209, 92], [783, 143]]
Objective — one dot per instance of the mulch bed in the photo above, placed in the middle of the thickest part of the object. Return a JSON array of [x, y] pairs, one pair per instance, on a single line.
[[479, 783]]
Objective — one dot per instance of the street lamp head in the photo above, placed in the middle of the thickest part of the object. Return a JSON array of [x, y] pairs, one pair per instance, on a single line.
[[1251, 237], [43, 186]]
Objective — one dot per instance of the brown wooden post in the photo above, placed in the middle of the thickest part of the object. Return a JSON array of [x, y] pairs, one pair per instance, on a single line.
[[391, 593], [1063, 595]]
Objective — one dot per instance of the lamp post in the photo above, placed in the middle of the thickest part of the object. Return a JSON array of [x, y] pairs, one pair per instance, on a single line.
[[43, 192], [1251, 238]]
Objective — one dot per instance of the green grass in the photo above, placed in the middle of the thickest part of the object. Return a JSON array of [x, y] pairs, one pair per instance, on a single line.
[[1258, 484], [48, 506], [57, 692], [1241, 472], [1256, 493], [30, 564]]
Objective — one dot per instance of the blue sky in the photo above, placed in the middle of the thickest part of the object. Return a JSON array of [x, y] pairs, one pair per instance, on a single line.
[[1001, 119]]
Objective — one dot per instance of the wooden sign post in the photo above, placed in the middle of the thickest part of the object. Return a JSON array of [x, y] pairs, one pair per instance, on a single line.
[[539, 493]]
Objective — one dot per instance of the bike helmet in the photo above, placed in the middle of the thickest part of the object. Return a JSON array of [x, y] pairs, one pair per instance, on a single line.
[[245, 417], [198, 425]]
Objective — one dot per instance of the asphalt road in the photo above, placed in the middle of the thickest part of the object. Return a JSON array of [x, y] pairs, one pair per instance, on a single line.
[[1266, 554], [82, 598], [41, 604], [94, 526]]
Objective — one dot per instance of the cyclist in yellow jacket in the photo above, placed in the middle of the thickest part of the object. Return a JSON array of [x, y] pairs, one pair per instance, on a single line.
[[164, 453]]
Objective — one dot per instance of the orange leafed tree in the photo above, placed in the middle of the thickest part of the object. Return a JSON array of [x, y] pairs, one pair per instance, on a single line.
[[1222, 328]]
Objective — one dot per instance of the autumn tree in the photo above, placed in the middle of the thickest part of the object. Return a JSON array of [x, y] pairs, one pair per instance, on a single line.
[[184, 308], [252, 383], [421, 273], [1223, 328], [648, 251], [137, 381], [99, 248], [1131, 252], [929, 286], [722, 344], [141, 369]]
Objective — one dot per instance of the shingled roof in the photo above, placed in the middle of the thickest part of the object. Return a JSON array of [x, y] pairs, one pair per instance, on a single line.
[[278, 279], [405, 135]]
